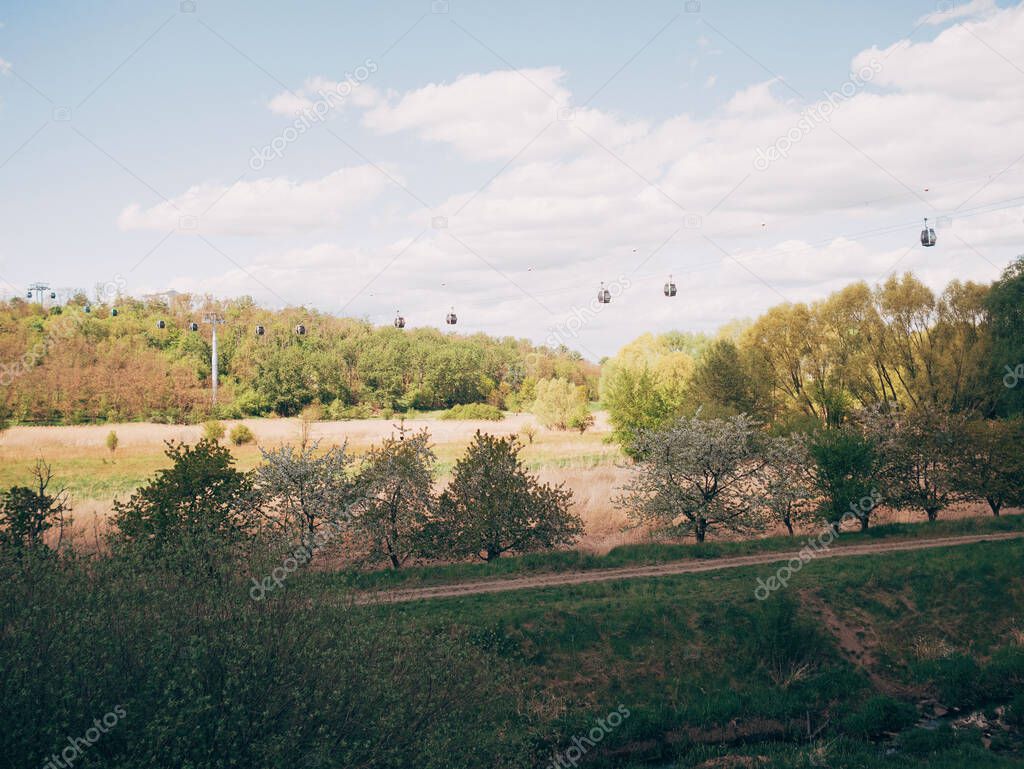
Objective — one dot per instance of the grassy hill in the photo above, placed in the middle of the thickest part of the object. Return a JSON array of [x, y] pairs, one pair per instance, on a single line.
[[856, 653], [910, 659]]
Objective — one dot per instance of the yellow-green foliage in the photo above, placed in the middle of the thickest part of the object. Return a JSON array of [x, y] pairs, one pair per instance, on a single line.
[[561, 405], [240, 435], [213, 430]]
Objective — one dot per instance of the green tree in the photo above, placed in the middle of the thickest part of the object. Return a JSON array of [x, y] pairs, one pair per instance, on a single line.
[[1005, 304], [918, 452], [493, 505], [283, 381], [26, 514], [846, 464], [721, 383], [393, 491], [200, 500], [991, 466], [634, 405]]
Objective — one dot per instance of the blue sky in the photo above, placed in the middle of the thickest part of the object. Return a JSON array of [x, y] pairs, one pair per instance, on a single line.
[[648, 168]]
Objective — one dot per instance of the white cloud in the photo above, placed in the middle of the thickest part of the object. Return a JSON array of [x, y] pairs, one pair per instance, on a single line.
[[710, 82], [589, 195], [498, 114], [263, 206], [5, 67], [950, 10], [352, 91]]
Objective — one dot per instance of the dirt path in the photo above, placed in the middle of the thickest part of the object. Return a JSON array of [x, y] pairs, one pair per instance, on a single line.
[[664, 569]]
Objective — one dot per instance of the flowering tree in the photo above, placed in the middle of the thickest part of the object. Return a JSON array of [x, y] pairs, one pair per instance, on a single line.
[[394, 497], [789, 492], [305, 489], [698, 475]]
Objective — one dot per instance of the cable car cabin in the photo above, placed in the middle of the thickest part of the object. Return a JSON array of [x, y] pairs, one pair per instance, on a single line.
[[29, 294], [260, 331], [927, 235], [604, 296], [300, 330], [193, 326], [87, 308], [670, 287], [53, 294], [113, 312], [161, 324], [451, 319], [399, 321]]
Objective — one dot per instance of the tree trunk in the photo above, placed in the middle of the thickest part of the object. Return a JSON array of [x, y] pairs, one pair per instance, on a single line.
[[995, 504], [701, 529], [492, 553], [789, 525], [864, 522], [933, 514]]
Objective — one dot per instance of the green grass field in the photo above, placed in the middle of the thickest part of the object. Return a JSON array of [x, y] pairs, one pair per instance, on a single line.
[[708, 671]]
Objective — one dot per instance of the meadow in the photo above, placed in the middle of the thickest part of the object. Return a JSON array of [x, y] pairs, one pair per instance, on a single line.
[[589, 463]]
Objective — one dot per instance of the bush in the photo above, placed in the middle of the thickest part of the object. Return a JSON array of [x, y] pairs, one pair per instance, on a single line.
[[1015, 711], [781, 643], [213, 430], [112, 441], [240, 434], [879, 715], [474, 411], [1003, 676], [922, 742], [195, 669]]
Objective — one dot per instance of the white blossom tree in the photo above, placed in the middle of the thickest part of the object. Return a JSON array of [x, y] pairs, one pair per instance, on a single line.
[[789, 491], [698, 476], [306, 490]]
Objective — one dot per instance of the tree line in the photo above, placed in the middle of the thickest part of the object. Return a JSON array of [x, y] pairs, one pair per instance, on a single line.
[[802, 365], [698, 476], [61, 365]]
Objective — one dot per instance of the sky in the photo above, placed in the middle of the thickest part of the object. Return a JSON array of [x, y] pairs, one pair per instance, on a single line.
[[505, 159]]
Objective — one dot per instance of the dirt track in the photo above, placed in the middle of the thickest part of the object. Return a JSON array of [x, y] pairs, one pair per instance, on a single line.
[[664, 569]]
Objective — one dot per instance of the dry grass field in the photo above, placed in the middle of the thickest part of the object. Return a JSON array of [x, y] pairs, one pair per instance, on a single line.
[[589, 464]]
